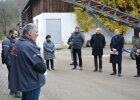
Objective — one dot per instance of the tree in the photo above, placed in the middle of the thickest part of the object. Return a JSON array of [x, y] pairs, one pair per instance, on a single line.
[[86, 22], [8, 15]]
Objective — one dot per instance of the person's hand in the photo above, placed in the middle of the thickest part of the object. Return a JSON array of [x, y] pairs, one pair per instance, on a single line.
[[138, 50], [52, 51], [114, 50]]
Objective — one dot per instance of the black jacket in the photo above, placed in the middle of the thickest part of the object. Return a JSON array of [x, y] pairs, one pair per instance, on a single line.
[[97, 43]]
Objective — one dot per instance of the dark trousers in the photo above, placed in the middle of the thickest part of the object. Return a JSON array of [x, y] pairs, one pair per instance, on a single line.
[[96, 62], [31, 95], [75, 53], [52, 63], [72, 56], [119, 68], [8, 67], [138, 65]]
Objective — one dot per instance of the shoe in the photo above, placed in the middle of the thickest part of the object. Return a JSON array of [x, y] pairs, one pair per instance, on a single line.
[[73, 68], [72, 64], [113, 73], [119, 74], [52, 68], [95, 70], [12, 92], [100, 70], [137, 76], [48, 68], [81, 68], [18, 95]]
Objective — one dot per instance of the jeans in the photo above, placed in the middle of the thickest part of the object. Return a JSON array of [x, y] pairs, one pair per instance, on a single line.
[[31, 95]]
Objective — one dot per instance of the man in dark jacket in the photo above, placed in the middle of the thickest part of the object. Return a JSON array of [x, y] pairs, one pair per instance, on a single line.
[[97, 43], [116, 46], [27, 66], [7, 46], [77, 39], [71, 50]]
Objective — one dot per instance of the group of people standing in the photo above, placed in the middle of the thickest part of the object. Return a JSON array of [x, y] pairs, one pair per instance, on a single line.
[[26, 67], [98, 43]]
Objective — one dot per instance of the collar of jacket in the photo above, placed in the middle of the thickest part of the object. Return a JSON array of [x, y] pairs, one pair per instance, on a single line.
[[25, 38], [116, 36], [12, 40], [48, 41], [98, 34], [76, 32]]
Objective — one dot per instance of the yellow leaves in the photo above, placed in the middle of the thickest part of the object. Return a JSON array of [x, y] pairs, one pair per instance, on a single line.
[[138, 1], [86, 22], [83, 19], [135, 13], [121, 3]]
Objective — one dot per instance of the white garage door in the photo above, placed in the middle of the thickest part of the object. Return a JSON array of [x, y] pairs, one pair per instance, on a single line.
[[53, 27]]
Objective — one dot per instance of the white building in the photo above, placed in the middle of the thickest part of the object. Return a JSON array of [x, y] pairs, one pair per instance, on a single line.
[[58, 25]]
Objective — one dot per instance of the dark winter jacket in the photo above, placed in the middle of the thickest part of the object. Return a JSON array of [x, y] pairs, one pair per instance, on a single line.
[[27, 67], [97, 43], [7, 46], [77, 40], [117, 42]]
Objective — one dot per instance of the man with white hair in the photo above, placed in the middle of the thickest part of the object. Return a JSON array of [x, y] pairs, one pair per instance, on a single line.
[[97, 43], [27, 66]]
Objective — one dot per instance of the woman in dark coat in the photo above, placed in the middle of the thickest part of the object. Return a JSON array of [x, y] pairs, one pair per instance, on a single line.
[[116, 46], [49, 52]]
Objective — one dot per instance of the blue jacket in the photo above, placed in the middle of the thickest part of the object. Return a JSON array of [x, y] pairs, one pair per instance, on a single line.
[[117, 42], [49, 50], [7, 46], [27, 67]]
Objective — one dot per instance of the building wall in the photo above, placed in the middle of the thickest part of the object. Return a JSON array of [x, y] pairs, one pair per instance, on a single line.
[[39, 21], [36, 7], [68, 24], [57, 6]]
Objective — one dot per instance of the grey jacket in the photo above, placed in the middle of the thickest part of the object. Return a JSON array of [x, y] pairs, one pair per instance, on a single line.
[[49, 50], [136, 43], [27, 67], [77, 40]]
